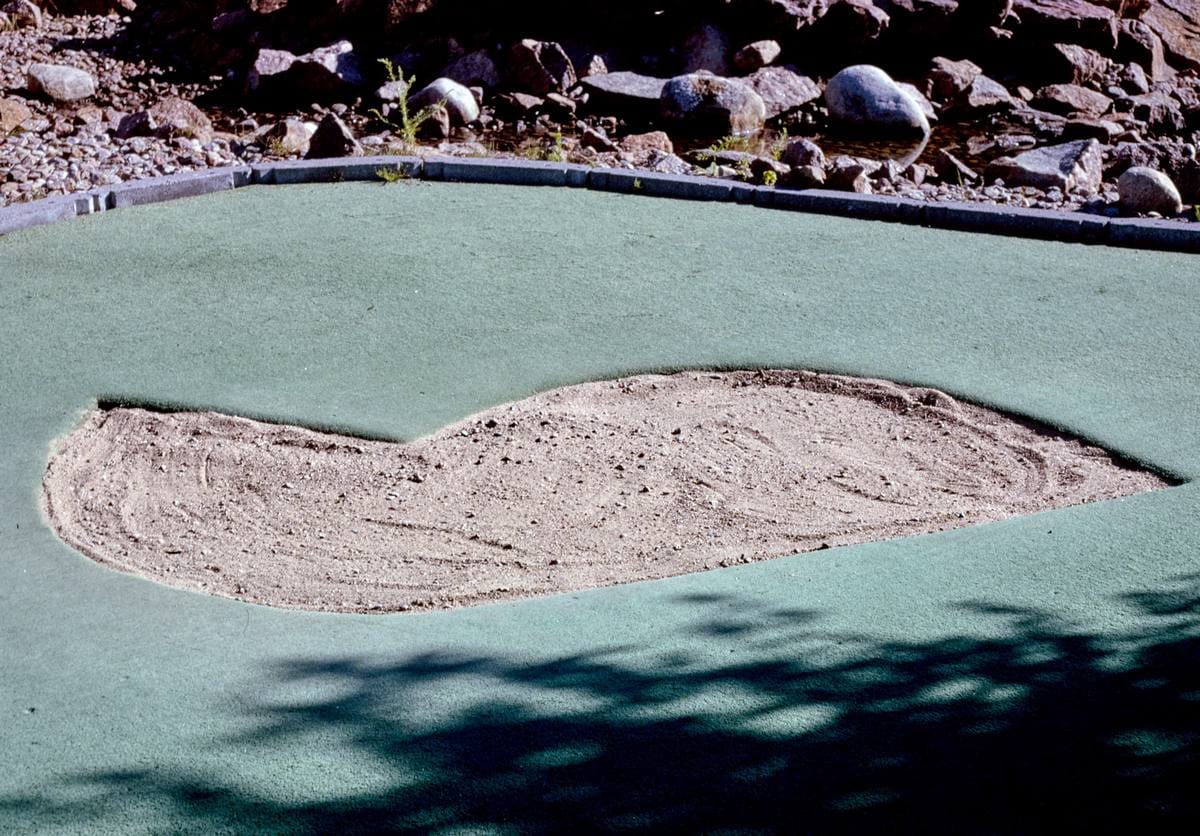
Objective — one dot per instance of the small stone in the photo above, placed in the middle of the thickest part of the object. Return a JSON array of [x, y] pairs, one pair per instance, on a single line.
[[803, 152], [1143, 189], [13, 113], [1071, 166], [60, 83], [950, 169], [757, 55]]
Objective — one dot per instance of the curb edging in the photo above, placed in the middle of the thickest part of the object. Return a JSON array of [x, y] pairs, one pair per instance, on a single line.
[[1069, 227]]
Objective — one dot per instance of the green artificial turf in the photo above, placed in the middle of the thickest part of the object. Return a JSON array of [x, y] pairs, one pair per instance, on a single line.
[[995, 678]]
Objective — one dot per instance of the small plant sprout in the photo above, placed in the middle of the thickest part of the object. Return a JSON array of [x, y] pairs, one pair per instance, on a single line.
[[409, 123], [637, 184], [769, 178], [389, 174], [276, 147], [779, 145], [556, 154]]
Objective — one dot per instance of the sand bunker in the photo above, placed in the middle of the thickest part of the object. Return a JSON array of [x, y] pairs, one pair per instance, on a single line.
[[585, 486]]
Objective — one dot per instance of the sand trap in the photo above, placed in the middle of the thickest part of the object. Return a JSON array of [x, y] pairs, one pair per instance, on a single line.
[[585, 486]]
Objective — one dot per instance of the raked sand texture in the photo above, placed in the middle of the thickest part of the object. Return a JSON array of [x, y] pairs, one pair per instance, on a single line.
[[1037, 669], [583, 486]]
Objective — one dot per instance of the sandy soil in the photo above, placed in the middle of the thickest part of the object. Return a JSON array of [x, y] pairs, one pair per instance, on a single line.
[[579, 487]]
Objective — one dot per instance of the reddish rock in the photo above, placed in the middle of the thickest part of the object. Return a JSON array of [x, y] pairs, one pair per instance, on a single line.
[[1076, 64], [541, 67], [1177, 23], [1137, 43], [1068, 21], [783, 90], [1067, 99], [947, 80]]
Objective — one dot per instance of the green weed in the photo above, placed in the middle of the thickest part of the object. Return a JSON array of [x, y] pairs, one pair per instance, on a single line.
[[408, 123]]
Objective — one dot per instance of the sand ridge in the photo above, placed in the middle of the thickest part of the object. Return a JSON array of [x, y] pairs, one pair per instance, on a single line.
[[584, 486]]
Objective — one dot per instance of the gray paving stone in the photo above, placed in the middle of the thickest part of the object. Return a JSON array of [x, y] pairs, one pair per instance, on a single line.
[[174, 186], [1152, 234], [338, 170], [1005, 220], [660, 185], [40, 212], [507, 172], [849, 205]]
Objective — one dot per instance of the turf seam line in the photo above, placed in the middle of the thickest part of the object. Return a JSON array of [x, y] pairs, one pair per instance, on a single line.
[[1069, 227]]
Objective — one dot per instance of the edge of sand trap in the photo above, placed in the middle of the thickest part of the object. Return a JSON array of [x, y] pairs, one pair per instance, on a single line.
[[590, 485]]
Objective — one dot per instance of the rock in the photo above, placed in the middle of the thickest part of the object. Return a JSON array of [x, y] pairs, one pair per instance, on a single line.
[[1137, 43], [792, 14], [984, 96], [1071, 166], [951, 169], [1076, 64], [849, 26], [330, 73], [783, 90], [757, 55], [804, 177], [560, 107], [706, 48], [1067, 99], [437, 125], [289, 136], [597, 139], [947, 80], [13, 113], [1177, 24], [625, 94], [1133, 79], [541, 67], [518, 105], [1144, 190], [802, 152], [1067, 21], [864, 96], [59, 82], [641, 145], [392, 91], [23, 13], [332, 139], [707, 105], [1099, 129], [1159, 111], [178, 117], [474, 68], [848, 174], [136, 124], [459, 102]]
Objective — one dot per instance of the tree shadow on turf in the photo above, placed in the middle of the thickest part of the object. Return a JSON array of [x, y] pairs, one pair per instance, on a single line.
[[769, 721]]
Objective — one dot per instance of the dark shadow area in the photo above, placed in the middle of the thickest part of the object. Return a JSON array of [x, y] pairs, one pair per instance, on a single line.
[[769, 722]]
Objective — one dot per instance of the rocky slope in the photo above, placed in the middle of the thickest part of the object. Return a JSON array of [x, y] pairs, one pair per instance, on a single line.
[[1030, 102]]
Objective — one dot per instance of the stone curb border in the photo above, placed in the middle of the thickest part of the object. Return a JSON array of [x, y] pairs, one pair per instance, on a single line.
[[997, 220]]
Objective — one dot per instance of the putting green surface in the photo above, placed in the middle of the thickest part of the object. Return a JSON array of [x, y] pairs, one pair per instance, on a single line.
[[992, 678]]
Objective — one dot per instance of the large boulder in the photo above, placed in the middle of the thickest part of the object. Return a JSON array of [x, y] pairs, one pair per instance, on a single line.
[[783, 90], [331, 73], [1071, 166], [1067, 21], [703, 104], [1177, 23], [865, 97], [59, 82], [625, 94], [1144, 190], [541, 67], [459, 102], [1068, 99]]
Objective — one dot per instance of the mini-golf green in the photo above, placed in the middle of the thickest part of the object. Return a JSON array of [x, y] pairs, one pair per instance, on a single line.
[[1040, 669]]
